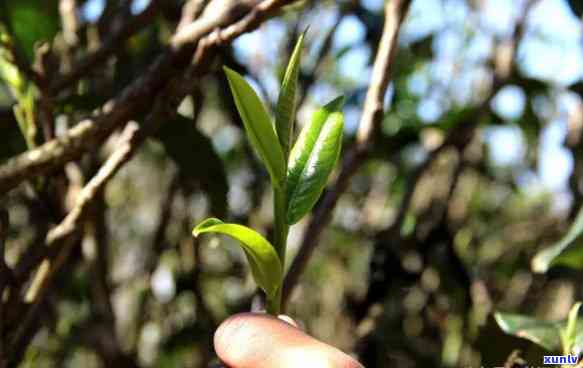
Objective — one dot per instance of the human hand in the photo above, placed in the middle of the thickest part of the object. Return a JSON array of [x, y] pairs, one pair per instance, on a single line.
[[251, 340]]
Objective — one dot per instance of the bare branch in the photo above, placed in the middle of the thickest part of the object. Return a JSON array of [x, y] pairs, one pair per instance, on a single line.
[[65, 233], [138, 97], [191, 11], [71, 224], [128, 29], [373, 109], [69, 20], [459, 138], [64, 236], [372, 115]]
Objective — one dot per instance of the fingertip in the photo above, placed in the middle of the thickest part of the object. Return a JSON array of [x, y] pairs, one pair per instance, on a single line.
[[251, 340], [228, 337]]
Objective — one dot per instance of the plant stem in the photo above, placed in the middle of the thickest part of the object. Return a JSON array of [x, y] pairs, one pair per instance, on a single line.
[[280, 224], [280, 232], [273, 304]]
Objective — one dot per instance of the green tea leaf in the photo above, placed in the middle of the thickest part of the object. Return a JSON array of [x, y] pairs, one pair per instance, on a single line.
[[569, 243], [196, 159], [258, 126], [544, 333], [286, 103], [313, 158], [263, 260]]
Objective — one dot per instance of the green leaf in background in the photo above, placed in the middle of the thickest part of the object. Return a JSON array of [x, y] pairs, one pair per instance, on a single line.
[[10, 74], [22, 91], [24, 112], [196, 159], [265, 265], [544, 333], [286, 103], [569, 334], [258, 126], [31, 21], [567, 251], [313, 158]]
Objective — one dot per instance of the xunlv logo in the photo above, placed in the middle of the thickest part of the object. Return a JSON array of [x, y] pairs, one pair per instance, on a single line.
[[561, 359]]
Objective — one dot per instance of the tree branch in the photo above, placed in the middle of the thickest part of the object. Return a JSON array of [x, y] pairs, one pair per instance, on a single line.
[[109, 47], [459, 137], [191, 11], [211, 31], [66, 233]]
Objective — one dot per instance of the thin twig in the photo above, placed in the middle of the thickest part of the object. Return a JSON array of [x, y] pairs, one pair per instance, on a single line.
[[109, 47], [46, 105], [64, 236], [372, 115], [458, 137], [190, 11], [69, 21], [213, 31], [464, 132], [158, 245], [72, 222], [107, 344], [65, 233]]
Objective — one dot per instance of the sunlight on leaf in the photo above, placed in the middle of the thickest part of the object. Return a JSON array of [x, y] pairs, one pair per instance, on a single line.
[[313, 158], [263, 260], [258, 126]]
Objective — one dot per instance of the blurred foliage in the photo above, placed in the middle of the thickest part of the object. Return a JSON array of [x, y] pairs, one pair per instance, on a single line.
[[139, 291], [196, 160], [566, 252], [545, 333], [31, 22]]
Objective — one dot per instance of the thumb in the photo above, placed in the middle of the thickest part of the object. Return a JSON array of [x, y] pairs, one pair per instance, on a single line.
[[260, 341]]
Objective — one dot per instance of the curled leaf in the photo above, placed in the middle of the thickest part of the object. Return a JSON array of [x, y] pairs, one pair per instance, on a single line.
[[263, 260], [313, 158]]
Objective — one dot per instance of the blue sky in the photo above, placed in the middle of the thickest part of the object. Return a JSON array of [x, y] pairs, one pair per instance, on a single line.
[[552, 51]]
